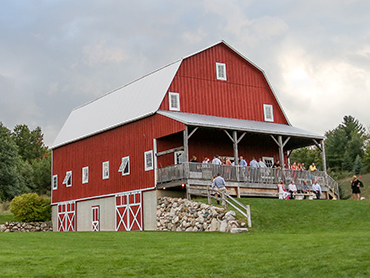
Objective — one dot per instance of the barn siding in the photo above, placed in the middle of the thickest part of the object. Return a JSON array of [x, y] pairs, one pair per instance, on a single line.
[[129, 140], [241, 96]]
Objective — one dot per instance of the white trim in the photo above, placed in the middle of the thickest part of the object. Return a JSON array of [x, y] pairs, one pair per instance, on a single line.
[[105, 170], [148, 166], [127, 213], [54, 182], [68, 179], [221, 71], [268, 112], [174, 101], [85, 174], [125, 166], [95, 223]]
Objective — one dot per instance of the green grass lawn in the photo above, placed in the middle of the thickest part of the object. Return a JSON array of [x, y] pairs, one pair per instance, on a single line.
[[289, 238]]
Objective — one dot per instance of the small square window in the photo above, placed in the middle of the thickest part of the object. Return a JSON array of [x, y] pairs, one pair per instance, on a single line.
[[68, 179], [174, 101], [148, 157], [221, 71], [54, 182], [105, 170], [85, 174], [268, 112], [125, 166], [269, 161]]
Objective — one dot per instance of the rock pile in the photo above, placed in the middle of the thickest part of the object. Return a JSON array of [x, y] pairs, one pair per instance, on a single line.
[[26, 227], [176, 214]]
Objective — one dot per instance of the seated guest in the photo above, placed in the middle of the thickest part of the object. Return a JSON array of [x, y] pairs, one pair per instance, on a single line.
[[316, 188], [305, 188], [313, 167], [282, 192], [292, 189]]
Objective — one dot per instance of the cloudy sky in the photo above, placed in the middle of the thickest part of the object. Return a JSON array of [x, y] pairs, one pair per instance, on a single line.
[[57, 55]]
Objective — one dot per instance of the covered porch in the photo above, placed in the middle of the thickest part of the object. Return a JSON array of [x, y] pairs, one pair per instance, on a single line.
[[208, 135]]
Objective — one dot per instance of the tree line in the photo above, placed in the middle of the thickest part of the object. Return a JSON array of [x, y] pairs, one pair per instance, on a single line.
[[347, 149], [25, 162]]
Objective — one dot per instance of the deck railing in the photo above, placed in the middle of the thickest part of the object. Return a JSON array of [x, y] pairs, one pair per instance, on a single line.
[[202, 171]]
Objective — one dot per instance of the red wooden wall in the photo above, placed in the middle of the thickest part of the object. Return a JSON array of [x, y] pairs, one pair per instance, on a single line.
[[129, 140], [241, 96]]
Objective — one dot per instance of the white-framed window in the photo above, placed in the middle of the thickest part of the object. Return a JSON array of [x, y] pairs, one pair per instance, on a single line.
[[148, 160], [68, 179], [85, 174], [221, 71], [54, 182], [269, 161], [268, 112], [179, 157], [125, 166], [105, 168], [174, 101]]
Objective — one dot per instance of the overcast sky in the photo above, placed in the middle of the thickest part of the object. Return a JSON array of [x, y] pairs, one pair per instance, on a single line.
[[57, 55]]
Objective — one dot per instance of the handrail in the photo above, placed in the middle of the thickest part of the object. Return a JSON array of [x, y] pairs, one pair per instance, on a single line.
[[225, 197], [246, 175]]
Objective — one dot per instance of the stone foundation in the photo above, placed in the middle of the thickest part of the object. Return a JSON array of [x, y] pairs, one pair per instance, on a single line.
[[177, 214]]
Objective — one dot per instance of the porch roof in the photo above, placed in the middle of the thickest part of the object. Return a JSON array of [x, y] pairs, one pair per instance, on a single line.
[[239, 125]]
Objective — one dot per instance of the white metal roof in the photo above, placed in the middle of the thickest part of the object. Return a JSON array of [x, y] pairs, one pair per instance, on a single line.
[[238, 124], [131, 102]]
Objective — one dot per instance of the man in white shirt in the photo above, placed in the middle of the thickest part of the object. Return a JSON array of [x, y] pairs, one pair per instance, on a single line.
[[316, 188], [216, 160], [292, 189]]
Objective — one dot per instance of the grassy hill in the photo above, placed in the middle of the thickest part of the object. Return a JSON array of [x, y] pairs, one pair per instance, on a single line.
[[289, 238]]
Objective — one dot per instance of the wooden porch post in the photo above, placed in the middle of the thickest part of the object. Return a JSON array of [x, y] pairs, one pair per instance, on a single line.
[[186, 144], [235, 146], [323, 155], [281, 150], [155, 161]]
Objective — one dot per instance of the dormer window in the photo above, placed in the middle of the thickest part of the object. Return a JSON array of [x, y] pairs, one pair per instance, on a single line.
[[221, 71], [174, 101], [268, 112]]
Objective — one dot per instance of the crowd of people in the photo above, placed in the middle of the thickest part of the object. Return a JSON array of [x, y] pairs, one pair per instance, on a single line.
[[305, 189]]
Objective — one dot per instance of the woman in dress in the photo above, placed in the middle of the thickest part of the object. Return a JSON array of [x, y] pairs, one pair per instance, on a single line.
[[355, 186], [282, 192]]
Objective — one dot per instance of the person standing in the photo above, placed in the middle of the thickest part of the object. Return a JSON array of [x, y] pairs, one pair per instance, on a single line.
[[220, 186], [316, 188], [355, 186]]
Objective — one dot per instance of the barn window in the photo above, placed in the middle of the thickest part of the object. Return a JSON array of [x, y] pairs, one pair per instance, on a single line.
[[105, 170], [125, 166], [55, 182], [221, 71], [68, 179], [269, 161], [268, 112], [174, 101], [85, 174], [148, 158]]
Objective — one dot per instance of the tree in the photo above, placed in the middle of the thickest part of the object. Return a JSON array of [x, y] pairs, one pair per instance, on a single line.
[[357, 167], [30, 143], [9, 175], [41, 174], [344, 144], [307, 156]]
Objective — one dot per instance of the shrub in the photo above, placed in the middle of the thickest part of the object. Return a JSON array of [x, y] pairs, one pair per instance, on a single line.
[[31, 207]]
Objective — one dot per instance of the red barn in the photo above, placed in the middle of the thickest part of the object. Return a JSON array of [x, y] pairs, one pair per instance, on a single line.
[[114, 155]]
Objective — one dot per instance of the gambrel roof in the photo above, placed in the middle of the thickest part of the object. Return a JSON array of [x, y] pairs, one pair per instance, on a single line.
[[136, 100]]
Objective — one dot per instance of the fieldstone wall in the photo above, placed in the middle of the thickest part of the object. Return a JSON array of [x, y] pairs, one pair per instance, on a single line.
[[177, 214], [26, 227]]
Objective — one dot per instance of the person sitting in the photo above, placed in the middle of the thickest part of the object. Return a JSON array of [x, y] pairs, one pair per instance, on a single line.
[[292, 189], [305, 188], [282, 192], [313, 167], [316, 188]]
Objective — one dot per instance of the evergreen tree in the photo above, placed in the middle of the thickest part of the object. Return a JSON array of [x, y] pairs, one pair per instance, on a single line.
[[357, 167]]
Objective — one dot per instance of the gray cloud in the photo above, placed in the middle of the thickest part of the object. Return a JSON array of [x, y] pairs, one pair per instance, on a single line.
[[58, 55]]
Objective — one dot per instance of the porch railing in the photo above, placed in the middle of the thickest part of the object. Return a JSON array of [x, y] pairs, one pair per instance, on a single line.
[[247, 175]]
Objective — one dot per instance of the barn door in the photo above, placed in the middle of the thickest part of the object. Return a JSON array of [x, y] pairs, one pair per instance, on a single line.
[[129, 212], [95, 218], [67, 217]]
